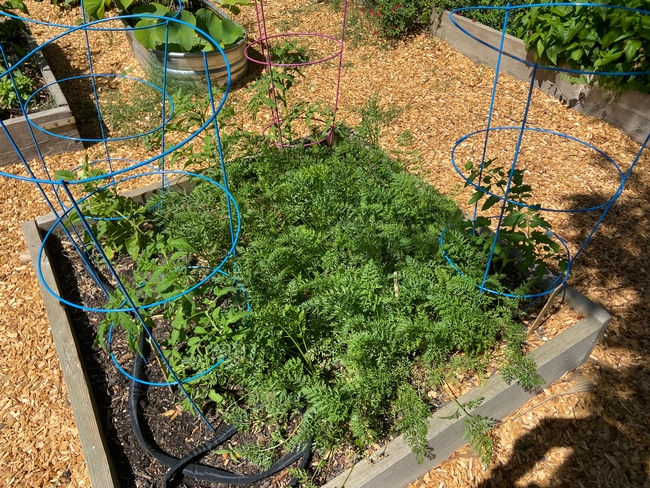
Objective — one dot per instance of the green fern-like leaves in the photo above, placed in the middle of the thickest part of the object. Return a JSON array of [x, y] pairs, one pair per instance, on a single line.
[[476, 431]]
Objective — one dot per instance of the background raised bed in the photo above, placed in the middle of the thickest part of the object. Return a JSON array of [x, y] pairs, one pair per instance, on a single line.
[[58, 120], [630, 112]]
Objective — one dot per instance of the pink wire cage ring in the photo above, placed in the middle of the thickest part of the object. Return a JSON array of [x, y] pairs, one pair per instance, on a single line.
[[305, 116]]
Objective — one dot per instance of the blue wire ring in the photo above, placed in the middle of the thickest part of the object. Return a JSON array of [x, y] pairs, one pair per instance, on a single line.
[[153, 168], [619, 190], [558, 281], [100, 139], [173, 383], [216, 269], [91, 26]]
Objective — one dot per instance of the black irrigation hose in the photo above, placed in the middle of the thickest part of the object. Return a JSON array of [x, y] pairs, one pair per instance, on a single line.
[[186, 465]]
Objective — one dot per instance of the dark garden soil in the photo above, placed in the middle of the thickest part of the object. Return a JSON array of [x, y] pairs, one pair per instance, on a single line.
[[164, 423], [176, 431]]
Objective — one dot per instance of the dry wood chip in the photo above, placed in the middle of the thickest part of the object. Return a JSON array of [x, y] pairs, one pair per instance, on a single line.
[[443, 96]]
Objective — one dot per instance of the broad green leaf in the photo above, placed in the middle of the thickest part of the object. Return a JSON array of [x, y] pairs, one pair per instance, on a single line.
[[64, 174], [481, 222], [537, 220], [231, 32], [16, 4], [181, 34], [552, 53], [576, 54], [209, 22], [608, 57], [175, 336], [179, 320], [146, 34], [490, 202], [218, 291], [94, 9], [610, 37], [540, 48], [166, 283], [215, 397], [631, 49], [512, 219], [180, 243], [561, 31], [132, 246], [476, 196], [151, 9], [514, 237], [193, 341], [123, 4]]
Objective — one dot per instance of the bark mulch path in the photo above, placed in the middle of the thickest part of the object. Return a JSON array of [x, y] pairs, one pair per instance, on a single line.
[[587, 430]]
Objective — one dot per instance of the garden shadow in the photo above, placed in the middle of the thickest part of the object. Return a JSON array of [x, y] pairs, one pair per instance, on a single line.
[[78, 93], [606, 444], [102, 386], [609, 442]]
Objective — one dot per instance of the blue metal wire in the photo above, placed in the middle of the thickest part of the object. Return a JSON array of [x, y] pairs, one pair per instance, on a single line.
[[524, 129], [68, 203], [62, 218]]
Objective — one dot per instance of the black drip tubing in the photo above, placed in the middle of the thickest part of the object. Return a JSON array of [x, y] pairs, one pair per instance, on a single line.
[[186, 465]]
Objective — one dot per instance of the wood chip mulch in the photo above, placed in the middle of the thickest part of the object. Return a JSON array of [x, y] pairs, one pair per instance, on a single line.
[[589, 429]]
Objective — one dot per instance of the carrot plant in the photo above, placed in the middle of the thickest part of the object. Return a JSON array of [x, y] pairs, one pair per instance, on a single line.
[[352, 314]]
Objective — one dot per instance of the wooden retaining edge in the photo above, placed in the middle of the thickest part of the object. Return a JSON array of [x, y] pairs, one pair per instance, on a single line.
[[98, 459], [58, 120], [630, 112], [396, 466]]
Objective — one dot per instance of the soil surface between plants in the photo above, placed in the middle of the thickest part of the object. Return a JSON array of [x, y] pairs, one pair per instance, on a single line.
[[566, 436]]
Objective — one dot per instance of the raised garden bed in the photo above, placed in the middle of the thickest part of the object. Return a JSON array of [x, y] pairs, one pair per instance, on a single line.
[[57, 120], [394, 465], [630, 112]]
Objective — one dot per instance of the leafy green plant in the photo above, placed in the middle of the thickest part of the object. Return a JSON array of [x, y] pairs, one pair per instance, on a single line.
[[396, 18], [163, 266], [353, 310], [8, 24], [154, 33], [604, 39], [375, 119], [272, 89], [13, 93], [476, 429], [522, 228], [12, 38], [493, 18]]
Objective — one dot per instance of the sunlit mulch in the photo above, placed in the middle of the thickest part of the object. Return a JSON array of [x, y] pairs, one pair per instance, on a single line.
[[575, 438]]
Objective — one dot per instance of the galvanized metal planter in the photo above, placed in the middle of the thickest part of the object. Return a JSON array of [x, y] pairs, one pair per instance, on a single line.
[[191, 65]]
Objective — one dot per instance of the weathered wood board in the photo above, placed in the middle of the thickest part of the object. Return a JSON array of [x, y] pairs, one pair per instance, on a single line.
[[98, 460], [396, 466], [630, 112], [58, 120]]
